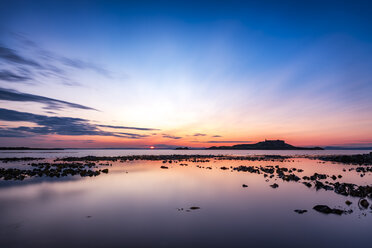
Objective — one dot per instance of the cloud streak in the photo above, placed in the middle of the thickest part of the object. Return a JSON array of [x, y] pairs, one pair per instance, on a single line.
[[171, 136], [40, 64], [199, 134], [11, 56], [132, 128], [13, 95], [6, 75], [47, 125]]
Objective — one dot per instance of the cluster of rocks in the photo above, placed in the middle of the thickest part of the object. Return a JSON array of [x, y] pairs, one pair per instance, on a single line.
[[362, 170], [318, 181], [52, 170], [7, 160], [175, 158], [359, 159], [268, 171], [165, 158], [272, 158], [346, 189]]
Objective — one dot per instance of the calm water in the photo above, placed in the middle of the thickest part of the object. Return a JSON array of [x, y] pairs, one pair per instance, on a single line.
[[123, 152], [136, 205]]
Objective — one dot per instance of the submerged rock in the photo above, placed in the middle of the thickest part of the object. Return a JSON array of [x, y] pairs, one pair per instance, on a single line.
[[327, 210], [244, 185], [364, 203], [274, 186], [300, 211], [307, 184], [194, 208], [164, 167]]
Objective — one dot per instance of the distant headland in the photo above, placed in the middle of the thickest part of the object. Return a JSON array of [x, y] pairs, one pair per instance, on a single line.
[[264, 145]]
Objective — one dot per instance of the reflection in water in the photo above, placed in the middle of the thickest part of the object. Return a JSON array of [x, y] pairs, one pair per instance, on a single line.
[[126, 152], [138, 204]]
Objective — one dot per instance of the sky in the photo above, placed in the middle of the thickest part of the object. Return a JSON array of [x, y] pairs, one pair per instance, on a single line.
[[185, 73]]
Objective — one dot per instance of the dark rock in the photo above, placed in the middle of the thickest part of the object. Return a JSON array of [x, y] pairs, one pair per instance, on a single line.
[[327, 210], [300, 211], [348, 202], [194, 208], [307, 184], [274, 186], [244, 185], [364, 203], [163, 167]]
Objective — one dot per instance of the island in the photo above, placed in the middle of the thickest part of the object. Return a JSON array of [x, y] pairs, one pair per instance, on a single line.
[[182, 148], [264, 145]]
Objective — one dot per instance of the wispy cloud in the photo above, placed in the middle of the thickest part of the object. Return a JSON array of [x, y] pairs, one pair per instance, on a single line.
[[33, 64], [47, 125], [216, 136], [133, 135], [199, 134], [13, 95], [12, 56], [171, 136], [6, 75], [133, 128]]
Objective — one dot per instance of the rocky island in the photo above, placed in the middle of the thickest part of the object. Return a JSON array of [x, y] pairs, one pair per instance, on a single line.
[[264, 145]]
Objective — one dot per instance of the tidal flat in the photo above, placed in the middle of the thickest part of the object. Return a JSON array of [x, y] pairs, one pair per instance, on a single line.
[[184, 200]]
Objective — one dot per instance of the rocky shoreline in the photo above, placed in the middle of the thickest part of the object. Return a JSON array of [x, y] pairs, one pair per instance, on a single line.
[[89, 166]]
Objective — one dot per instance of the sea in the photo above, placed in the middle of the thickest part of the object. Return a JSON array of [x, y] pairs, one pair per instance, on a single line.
[[140, 204]]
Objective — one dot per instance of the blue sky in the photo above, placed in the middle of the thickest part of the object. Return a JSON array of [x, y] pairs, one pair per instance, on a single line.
[[242, 70]]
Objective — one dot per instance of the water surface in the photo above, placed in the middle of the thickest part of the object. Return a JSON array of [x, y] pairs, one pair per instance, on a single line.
[[138, 204]]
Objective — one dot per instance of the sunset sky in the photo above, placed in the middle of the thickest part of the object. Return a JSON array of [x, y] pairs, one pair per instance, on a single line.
[[185, 73]]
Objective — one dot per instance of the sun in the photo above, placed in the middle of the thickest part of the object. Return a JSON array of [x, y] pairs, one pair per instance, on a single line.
[[152, 147]]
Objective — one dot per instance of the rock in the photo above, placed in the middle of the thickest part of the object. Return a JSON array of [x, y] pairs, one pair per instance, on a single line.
[[224, 168], [274, 186], [105, 171], [348, 203], [307, 184], [364, 203], [327, 210], [194, 208], [244, 185], [164, 167], [300, 211]]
